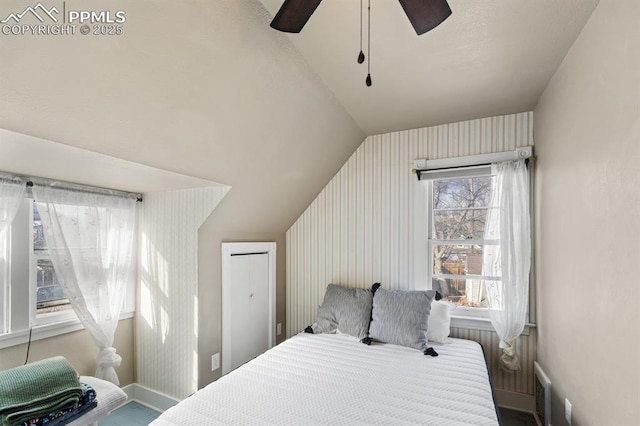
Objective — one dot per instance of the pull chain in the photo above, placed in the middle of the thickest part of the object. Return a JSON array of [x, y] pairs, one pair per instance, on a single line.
[[368, 80], [361, 54]]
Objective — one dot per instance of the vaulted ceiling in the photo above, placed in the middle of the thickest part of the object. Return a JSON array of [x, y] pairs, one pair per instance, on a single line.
[[490, 57], [207, 89]]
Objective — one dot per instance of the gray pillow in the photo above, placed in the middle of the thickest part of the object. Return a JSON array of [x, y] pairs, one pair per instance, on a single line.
[[401, 317], [347, 310]]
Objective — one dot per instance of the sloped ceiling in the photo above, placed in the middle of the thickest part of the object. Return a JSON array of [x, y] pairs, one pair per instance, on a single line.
[[490, 57], [207, 89], [200, 88], [28, 156]]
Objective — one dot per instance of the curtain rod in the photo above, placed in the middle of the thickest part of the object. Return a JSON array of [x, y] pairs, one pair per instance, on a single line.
[[71, 186], [86, 189], [422, 165]]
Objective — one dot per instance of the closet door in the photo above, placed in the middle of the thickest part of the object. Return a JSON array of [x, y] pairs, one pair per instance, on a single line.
[[249, 319], [248, 309]]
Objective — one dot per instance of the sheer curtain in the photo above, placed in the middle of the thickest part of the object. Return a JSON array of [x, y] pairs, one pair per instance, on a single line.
[[12, 192], [90, 239], [508, 221]]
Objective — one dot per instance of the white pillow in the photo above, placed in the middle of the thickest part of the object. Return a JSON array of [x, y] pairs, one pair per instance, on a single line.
[[439, 322]]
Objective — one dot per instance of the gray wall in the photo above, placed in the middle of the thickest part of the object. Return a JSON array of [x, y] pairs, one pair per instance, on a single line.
[[587, 132], [210, 287]]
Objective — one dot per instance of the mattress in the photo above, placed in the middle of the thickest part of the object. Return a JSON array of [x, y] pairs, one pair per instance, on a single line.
[[335, 379]]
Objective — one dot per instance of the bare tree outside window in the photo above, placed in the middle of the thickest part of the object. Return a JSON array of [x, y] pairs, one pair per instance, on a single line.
[[459, 212]]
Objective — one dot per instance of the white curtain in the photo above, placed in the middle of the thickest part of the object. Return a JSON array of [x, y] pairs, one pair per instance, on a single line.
[[508, 221], [12, 192], [90, 240]]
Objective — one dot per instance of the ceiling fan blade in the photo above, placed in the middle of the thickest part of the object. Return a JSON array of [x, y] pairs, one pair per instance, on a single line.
[[425, 15], [293, 15]]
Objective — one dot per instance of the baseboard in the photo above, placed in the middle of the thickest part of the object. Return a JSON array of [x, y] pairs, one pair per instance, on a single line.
[[515, 401], [152, 399]]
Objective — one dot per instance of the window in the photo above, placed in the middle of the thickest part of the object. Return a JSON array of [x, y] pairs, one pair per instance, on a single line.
[[473, 239], [49, 294], [457, 213], [35, 298]]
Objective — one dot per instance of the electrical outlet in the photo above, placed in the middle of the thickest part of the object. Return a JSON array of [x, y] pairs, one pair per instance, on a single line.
[[567, 411], [215, 361], [279, 329]]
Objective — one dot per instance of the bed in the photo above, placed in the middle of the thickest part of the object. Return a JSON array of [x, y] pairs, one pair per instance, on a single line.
[[326, 375], [335, 379]]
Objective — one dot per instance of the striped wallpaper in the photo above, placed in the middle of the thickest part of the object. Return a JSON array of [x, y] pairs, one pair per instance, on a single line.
[[359, 230], [167, 312], [521, 381]]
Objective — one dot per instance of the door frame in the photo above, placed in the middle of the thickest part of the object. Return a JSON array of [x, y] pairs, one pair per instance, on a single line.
[[228, 250]]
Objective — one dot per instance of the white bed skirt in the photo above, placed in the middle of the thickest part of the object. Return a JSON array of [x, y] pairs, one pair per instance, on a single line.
[[334, 379]]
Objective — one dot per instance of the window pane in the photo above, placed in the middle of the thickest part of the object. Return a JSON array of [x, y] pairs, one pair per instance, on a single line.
[[50, 295], [46, 282], [457, 259], [459, 224], [463, 292], [39, 243], [459, 214], [462, 192]]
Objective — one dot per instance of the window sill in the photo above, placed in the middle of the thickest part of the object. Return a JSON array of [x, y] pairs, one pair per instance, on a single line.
[[46, 331], [479, 323]]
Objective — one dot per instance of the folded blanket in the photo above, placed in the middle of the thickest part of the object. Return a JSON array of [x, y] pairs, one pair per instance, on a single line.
[[86, 403], [36, 389], [73, 415]]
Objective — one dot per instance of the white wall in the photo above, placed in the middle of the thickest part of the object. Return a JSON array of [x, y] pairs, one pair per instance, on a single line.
[[360, 230], [167, 314], [587, 129]]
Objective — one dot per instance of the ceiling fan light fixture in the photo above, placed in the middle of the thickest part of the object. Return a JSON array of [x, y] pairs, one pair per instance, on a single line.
[[424, 16]]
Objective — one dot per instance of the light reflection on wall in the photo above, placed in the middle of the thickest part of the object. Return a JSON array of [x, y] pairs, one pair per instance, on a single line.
[[166, 336]]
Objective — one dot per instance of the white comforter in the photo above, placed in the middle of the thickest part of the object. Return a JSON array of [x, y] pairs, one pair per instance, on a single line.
[[335, 379]]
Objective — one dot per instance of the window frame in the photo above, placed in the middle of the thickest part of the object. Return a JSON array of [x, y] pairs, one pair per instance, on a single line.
[[461, 317], [429, 219]]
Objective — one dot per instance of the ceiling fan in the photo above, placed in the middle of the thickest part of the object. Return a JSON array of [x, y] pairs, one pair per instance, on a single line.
[[424, 15]]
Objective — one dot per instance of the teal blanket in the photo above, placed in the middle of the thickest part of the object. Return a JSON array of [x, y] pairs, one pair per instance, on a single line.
[[36, 389]]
